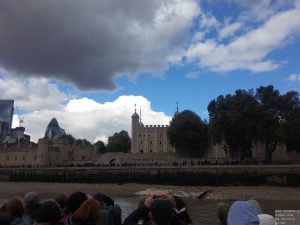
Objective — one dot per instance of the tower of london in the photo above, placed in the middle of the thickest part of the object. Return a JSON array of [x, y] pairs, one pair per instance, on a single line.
[[149, 138]]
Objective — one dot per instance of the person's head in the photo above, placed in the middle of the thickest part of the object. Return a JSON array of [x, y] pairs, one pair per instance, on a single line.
[[266, 219], [161, 211], [88, 212], [49, 212], [5, 219], [16, 208], [255, 204], [222, 212], [31, 198], [242, 213], [181, 210], [62, 200], [75, 200], [104, 200]]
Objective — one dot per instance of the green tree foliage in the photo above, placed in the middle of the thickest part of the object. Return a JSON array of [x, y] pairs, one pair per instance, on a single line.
[[100, 147], [188, 134], [232, 122], [240, 120], [83, 142], [291, 122], [68, 137], [119, 142], [269, 124]]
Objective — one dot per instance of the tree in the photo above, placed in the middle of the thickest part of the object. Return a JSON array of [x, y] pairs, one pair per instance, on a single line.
[[188, 134], [291, 121], [245, 118], [100, 147], [232, 122], [68, 137], [119, 142], [83, 142]]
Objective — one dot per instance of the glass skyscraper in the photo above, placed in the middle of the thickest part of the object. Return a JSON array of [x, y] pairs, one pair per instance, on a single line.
[[6, 117]]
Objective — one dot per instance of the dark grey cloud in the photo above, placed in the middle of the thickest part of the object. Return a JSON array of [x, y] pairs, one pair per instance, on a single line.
[[88, 43]]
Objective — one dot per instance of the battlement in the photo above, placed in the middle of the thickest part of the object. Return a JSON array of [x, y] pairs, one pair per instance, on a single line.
[[156, 126]]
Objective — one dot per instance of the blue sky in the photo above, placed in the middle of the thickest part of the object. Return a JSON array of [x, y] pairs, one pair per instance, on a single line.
[[88, 63]]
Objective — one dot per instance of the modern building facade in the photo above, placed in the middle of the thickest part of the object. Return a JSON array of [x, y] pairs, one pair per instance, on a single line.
[[6, 117]]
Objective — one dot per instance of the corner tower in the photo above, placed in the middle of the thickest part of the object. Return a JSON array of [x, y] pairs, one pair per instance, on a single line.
[[134, 131]]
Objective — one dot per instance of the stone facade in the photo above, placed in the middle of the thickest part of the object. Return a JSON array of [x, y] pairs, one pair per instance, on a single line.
[[44, 154], [149, 138]]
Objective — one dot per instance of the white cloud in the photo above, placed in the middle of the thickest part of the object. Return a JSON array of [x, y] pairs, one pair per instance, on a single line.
[[229, 30], [294, 77], [199, 36], [86, 118], [248, 51], [32, 94], [208, 21], [192, 75], [260, 10]]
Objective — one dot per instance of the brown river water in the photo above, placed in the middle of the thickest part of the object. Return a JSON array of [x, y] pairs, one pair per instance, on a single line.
[[202, 211]]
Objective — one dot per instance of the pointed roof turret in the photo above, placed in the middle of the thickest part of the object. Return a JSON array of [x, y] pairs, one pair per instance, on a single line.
[[135, 115]]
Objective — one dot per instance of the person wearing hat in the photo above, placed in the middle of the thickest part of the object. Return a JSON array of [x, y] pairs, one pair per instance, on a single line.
[[242, 213]]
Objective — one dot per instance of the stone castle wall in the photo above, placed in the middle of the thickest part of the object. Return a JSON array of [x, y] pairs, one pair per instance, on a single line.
[[63, 154]]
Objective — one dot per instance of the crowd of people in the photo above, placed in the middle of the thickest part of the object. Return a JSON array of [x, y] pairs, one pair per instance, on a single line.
[[156, 209]]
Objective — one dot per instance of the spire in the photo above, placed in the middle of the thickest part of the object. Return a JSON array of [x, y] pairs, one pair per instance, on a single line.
[[135, 115], [177, 110], [140, 114]]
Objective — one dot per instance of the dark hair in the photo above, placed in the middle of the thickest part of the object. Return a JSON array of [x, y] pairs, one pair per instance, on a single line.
[[62, 200], [16, 207], [162, 211], [87, 213], [75, 200], [104, 200], [49, 212]]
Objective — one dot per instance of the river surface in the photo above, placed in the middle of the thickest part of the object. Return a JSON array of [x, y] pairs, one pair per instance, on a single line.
[[202, 212]]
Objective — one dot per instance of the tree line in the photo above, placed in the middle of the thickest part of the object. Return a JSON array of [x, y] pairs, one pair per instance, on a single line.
[[118, 142], [240, 121]]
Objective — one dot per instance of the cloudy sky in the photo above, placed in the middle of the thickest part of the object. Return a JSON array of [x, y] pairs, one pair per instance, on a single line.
[[88, 63]]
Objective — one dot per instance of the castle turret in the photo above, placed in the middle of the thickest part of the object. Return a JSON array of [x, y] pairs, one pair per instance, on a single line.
[[134, 132]]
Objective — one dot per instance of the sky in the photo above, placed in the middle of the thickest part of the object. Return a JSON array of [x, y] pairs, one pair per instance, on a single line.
[[88, 63]]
